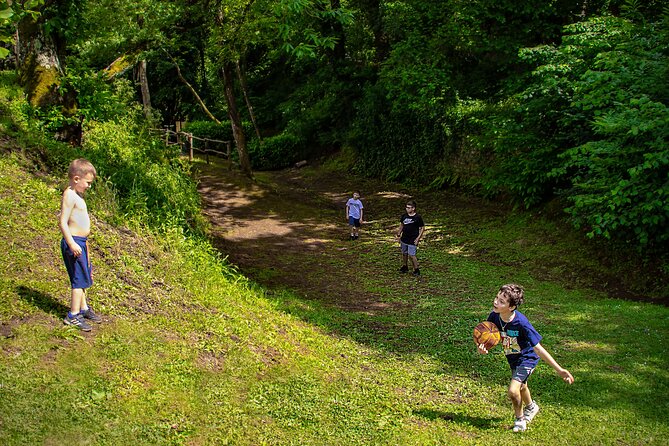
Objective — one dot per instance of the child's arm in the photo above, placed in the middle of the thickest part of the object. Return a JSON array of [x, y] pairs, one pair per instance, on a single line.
[[362, 212], [347, 211], [420, 235], [66, 207], [543, 354], [399, 231]]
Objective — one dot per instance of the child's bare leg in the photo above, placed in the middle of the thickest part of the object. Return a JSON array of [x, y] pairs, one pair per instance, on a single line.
[[525, 395], [78, 297], [405, 259], [414, 262], [516, 398]]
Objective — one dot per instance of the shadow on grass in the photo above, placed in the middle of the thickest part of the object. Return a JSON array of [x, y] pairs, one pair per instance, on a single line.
[[478, 422], [44, 302]]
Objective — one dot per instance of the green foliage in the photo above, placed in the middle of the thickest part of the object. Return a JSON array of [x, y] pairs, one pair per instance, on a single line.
[[210, 130], [152, 184], [401, 145], [276, 152], [11, 12], [592, 126]]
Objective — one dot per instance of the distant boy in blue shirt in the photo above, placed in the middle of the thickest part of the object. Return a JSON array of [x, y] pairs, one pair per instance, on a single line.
[[521, 343], [354, 212]]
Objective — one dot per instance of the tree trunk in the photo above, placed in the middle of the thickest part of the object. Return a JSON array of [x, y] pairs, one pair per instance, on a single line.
[[38, 64], [235, 119], [144, 85], [242, 83]]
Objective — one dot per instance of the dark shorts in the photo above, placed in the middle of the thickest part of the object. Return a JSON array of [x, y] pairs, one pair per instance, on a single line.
[[354, 222], [78, 268], [521, 374]]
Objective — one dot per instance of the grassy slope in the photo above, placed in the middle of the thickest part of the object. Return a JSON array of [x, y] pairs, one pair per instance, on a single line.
[[192, 354]]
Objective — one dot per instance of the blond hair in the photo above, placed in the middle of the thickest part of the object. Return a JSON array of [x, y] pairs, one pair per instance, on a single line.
[[81, 167]]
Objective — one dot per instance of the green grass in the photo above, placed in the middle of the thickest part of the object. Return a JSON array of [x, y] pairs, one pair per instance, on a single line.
[[191, 353]]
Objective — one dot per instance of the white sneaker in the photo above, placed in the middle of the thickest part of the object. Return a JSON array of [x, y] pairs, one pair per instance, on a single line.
[[530, 411], [520, 425]]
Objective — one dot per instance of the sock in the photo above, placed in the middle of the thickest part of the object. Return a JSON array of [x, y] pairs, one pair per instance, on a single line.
[[70, 315]]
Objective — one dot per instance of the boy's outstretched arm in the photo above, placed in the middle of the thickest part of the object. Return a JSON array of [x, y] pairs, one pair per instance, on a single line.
[[543, 354]]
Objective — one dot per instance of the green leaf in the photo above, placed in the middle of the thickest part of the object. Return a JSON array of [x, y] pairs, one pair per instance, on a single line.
[[6, 13]]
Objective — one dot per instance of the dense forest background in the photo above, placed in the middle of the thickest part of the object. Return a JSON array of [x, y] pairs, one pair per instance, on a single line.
[[561, 105]]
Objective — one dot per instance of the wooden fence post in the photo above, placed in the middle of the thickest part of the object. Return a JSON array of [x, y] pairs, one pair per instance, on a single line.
[[190, 146], [206, 150], [227, 143]]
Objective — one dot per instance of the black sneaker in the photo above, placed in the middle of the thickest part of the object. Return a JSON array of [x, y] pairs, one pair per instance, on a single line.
[[77, 321], [91, 316], [404, 269], [416, 272]]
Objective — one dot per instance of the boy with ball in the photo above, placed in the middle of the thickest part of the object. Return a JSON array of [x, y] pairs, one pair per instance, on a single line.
[[521, 343]]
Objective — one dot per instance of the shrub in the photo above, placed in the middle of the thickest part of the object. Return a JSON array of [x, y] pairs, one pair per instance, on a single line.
[[276, 152], [152, 185], [210, 130]]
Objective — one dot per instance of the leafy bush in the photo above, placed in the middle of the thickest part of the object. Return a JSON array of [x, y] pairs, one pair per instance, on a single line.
[[592, 126], [399, 145], [276, 152], [151, 183], [210, 130]]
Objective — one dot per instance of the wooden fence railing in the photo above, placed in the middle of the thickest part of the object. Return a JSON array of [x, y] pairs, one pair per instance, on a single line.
[[187, 141]]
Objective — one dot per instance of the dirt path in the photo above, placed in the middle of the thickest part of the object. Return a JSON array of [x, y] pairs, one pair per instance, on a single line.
[[288, 230]]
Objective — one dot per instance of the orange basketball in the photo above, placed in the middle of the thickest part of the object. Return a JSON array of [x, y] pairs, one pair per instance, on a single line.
[[486, 333]]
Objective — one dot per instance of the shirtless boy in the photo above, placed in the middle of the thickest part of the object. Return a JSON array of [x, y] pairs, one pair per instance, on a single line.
[[75, 225]]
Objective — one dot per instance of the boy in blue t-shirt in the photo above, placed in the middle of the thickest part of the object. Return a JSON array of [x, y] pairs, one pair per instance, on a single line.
[[354, 211], [521, 343]]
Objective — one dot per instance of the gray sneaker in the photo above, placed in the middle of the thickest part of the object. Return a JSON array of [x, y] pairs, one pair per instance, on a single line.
[[77, 321], [520, 425], [530, 411], [91, 316]]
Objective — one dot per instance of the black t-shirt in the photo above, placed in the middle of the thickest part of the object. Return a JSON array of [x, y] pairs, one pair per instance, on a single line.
[[411, 229]]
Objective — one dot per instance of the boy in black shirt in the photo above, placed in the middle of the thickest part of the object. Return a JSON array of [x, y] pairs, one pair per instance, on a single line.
[[410, 232]]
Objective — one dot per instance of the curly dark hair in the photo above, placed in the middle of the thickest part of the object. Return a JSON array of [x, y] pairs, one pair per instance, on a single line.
[[514, 293]]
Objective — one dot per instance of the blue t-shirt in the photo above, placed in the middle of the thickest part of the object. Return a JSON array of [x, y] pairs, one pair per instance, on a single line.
[[354, 207], [518, 340]]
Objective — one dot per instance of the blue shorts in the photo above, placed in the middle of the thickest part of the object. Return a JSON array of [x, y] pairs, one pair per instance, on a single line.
[[78, 268], [521, 374], [408, 249], [354, 222]]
